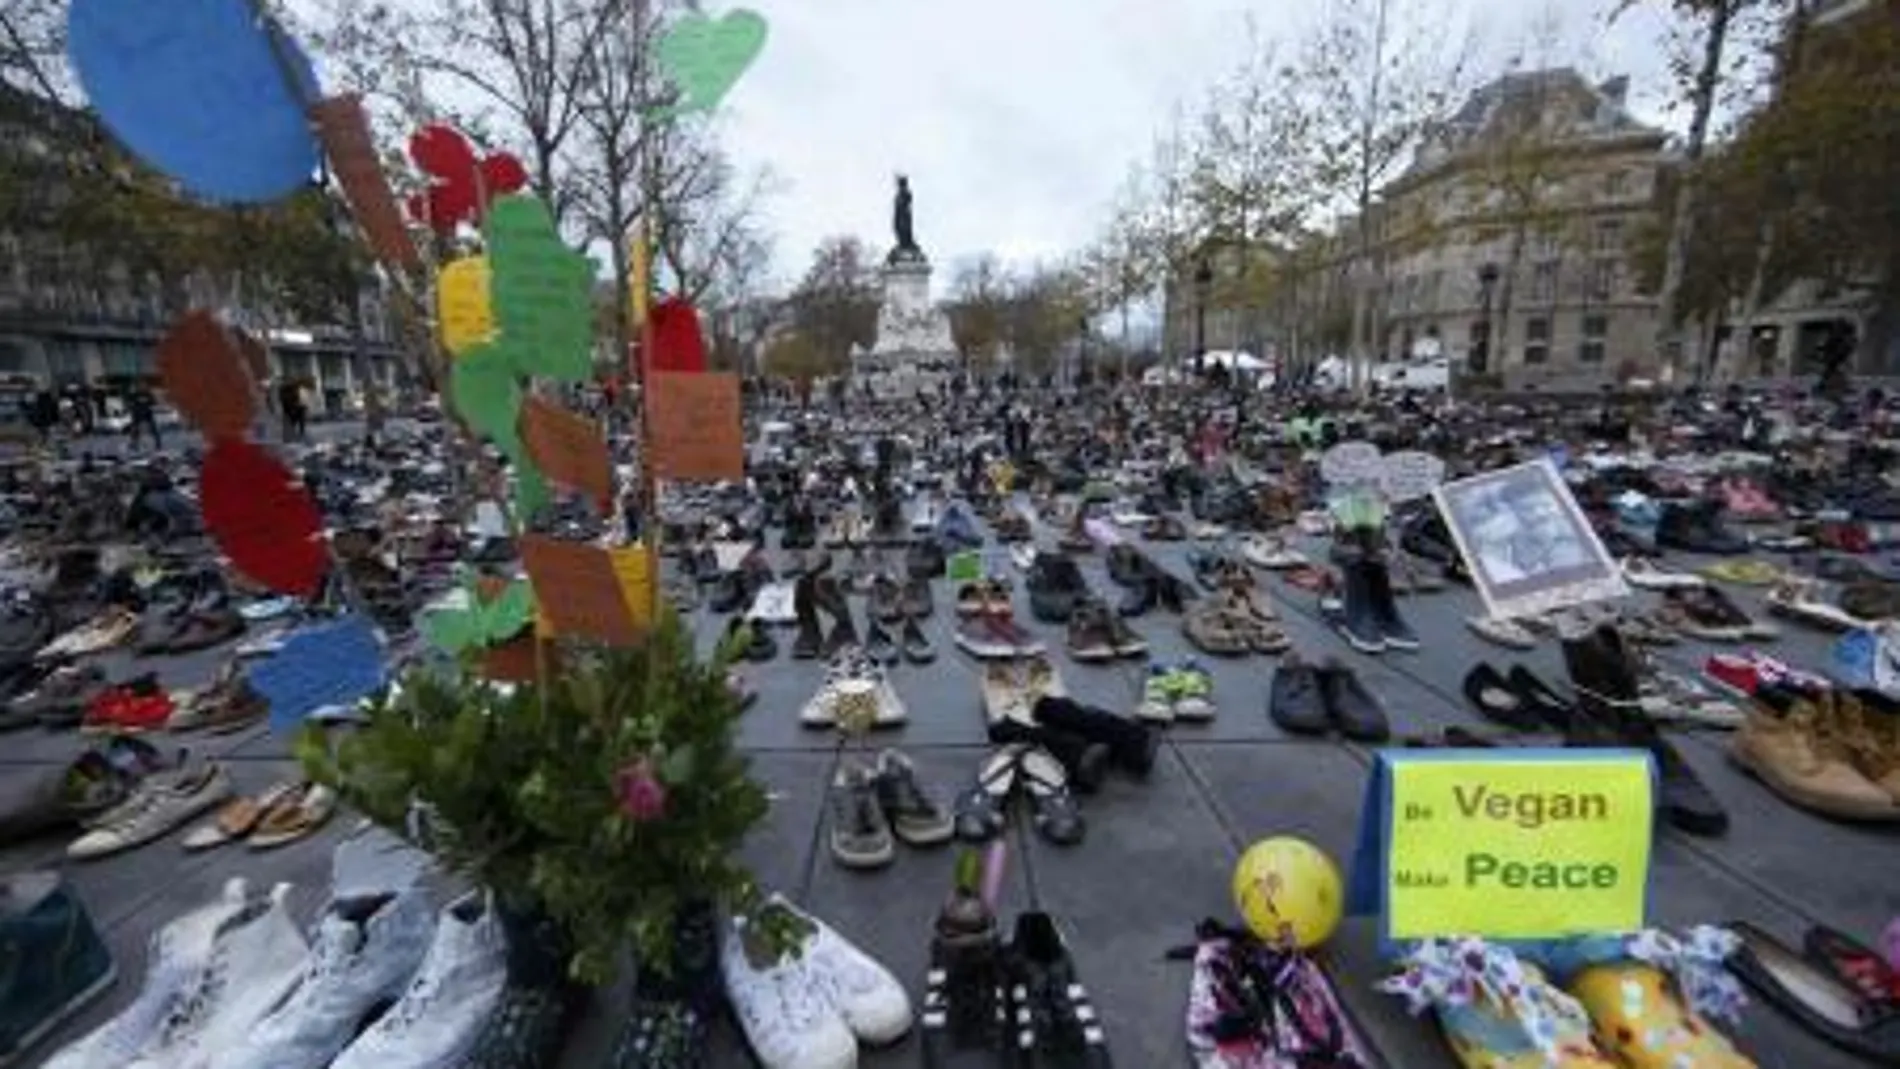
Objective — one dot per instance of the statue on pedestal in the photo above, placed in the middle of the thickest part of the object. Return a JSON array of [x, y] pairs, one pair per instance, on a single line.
[[901, 226]]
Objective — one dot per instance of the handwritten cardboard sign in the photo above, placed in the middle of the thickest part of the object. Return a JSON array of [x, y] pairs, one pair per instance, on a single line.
[[694, 420], [464, 316], [542, 292], [633, 568], [1525, 844], [1409, 475], [578, 590], [343, 127], [205, 372], [1350, 464], [567, 448]]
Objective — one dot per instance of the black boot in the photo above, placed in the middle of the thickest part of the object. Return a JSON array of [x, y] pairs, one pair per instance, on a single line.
[[1385, 607], [1359, 619], [1131, 745], [1608, 684], [844, 632], [670, 1026], [810, 640]]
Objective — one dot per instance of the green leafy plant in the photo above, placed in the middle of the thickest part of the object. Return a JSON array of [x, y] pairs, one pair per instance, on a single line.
[[606, 798]]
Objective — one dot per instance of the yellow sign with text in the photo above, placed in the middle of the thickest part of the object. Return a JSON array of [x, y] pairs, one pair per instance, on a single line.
[[1518, 847]]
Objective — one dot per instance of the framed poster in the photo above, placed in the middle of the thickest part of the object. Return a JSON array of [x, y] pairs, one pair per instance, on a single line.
[[1526, 543]]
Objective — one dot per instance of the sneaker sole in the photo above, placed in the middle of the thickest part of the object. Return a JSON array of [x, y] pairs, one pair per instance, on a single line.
[[60, 1016]]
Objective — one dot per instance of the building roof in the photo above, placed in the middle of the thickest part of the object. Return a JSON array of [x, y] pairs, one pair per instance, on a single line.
[[1560, 100]]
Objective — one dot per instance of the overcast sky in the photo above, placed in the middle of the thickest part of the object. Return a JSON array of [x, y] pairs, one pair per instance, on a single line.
[[1017, 119]]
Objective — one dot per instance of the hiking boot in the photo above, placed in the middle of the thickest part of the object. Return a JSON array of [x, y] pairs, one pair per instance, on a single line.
[[1802, 756], [1873, 740]]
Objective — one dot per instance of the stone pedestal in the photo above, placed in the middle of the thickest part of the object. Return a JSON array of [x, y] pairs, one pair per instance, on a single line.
[[914, 351]]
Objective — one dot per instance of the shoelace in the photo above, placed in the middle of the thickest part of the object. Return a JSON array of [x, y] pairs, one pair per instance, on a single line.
[[207, 987]]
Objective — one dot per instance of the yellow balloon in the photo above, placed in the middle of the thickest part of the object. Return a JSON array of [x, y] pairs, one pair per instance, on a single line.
[[462, 310], [1288, 890]]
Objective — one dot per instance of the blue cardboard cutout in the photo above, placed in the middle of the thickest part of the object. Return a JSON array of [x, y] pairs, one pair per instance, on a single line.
[[332, 664], [196, 89]]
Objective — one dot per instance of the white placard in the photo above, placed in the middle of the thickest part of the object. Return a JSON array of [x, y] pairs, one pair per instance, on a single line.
[[1410, 475], [1350, 464]]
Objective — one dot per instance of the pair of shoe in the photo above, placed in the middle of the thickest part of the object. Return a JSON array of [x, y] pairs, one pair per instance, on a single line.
[[1182, 691], [1020, 1000], [875, 806], [1634, 1002], [811, 1008], [855, 696], [1314, 699], [982, 810], [163, 801], [1255, 1006]]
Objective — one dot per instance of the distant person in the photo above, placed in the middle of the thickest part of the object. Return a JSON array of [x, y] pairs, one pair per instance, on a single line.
[[43, 415], [296, 416], [143, 409]]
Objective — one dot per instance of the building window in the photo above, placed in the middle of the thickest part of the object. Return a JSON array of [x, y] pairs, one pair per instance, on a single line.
[[1536, 341], [1595, 329], [1615, 185], [1602, 279], [1544, 282], [1609, 236]]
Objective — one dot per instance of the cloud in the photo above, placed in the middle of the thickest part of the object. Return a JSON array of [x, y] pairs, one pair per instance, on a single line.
[[1017, 119]]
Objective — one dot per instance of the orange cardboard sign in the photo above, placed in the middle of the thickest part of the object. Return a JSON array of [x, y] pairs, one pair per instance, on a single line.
[[578, 590], [694, 420], [567, 448], [205, 370], [343, 128]]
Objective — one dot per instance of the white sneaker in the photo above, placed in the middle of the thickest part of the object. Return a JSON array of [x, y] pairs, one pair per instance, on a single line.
[[871, 1001], [788, 1023], [179, 954], [438, 1019], [162, 803], [253, 967], [365, 952]]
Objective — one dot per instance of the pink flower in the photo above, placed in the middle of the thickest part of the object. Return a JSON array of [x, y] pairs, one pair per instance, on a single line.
[[642, 795]]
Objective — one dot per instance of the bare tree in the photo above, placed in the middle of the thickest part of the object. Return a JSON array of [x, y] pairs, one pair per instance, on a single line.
[[523, 66], [1389, 71]]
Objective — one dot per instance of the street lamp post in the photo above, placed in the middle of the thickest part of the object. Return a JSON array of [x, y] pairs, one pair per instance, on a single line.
[[1487, 284], [1203, 283]]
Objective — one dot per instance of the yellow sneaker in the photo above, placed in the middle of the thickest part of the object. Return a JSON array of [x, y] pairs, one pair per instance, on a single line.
[[1652, 1019]]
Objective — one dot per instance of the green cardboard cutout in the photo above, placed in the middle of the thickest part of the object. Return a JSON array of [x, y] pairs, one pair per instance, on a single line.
[[705, 56], [542, 292]]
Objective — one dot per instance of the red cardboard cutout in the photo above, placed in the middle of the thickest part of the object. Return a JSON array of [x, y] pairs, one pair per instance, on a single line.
[[262, 518], [677, 342], [455, 195]]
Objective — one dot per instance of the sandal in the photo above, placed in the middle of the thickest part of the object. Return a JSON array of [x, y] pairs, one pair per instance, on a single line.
[[239, 817], [1054, 811], [979, 809], [294, 817]]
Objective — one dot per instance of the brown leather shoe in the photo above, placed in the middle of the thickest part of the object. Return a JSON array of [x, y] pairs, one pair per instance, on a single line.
[[1801, 756]]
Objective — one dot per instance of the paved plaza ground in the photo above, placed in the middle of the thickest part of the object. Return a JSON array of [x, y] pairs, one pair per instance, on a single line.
[[1158, 855]]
